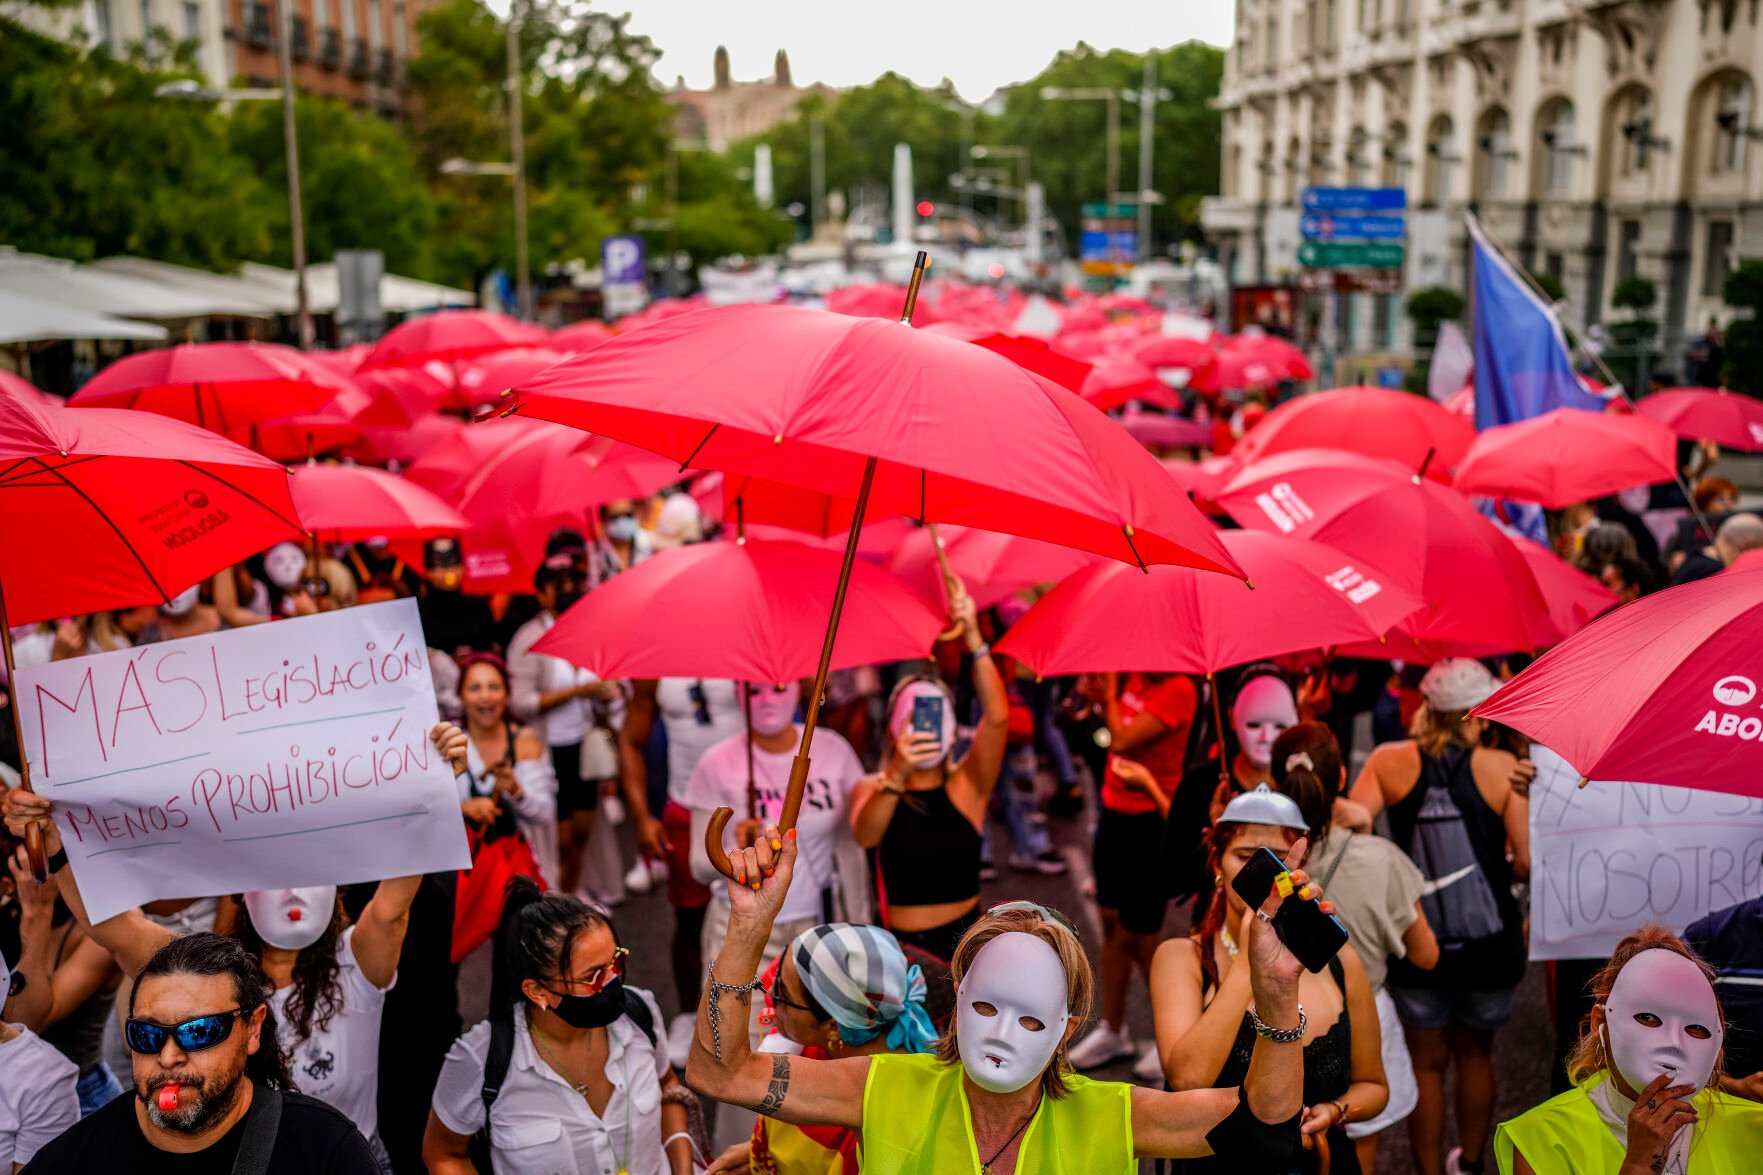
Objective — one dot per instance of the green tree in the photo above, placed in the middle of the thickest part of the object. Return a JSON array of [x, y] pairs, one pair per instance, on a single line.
[[1633, 335], [1744, 336], [1428, 309]]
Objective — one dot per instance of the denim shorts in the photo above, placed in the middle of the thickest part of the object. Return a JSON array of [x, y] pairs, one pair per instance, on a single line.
[[1485, 1011]]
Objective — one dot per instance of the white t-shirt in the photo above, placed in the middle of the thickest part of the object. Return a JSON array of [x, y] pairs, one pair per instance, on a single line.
[[566, 723], [541, 1124], [340, 1064], [687, 737], [38, 1100], [822, 824]]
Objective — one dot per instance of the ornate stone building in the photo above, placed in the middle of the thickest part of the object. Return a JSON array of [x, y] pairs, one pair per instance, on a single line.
[[732, 110], [1596, 139]]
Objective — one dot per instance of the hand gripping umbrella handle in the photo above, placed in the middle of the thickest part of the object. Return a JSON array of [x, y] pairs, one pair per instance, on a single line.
[[719, 819], [950, 583], [33, 835]]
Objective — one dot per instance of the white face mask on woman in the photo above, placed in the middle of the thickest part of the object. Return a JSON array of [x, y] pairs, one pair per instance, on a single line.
[[1263, 710], [283, 564], [1661, 1017], [292, 919], [183, 603], [1010, 1012], [773, 710], [907, 702]]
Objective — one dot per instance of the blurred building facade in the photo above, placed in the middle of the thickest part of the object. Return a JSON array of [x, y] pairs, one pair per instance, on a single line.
[[731, 110], [1595, 139]]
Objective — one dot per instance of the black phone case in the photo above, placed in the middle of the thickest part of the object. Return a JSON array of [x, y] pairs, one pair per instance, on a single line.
[[1311, 935]]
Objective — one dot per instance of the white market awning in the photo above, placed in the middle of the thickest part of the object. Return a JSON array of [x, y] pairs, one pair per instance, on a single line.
[[108, 292], [249, 297], [398, 295], [26, 319]]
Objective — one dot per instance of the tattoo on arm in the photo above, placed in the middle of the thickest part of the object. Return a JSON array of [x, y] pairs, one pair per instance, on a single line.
[[780, 1086]]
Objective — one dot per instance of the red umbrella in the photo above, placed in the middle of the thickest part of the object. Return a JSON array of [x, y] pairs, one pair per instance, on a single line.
[[449, 336], [1663, 690], [1203, 479], [1023, 350], [351, 504], [1574, 598], [872, 300], [744, 503], [580, 336], [482, 381], [1175, 351], [415, 391], [222, 386], [1155, 430], [108, 509], [1236, 369], [516, 481], [993, 566], [405, 445], [1410, 430], [1427, 537], [1284, 357], [1177, 620], [1726, 418], [747, 611], [1567, 456], [1113, 382], [18, 387], [296, 438]]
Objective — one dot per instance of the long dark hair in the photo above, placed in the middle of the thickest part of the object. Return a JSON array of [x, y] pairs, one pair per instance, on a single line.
[[215, 954], [318, 990], [1307, 768], [534, 939]]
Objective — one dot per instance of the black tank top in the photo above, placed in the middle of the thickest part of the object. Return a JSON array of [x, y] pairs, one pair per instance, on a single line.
[[930, 852]]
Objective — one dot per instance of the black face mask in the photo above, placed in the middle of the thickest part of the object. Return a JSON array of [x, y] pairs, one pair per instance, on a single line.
[[565, 599], [592, 1011]]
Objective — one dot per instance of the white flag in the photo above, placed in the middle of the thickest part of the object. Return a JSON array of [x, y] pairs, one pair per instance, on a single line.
[[1452, 363]]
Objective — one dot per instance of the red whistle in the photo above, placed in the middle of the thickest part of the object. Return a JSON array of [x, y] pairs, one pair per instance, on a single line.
[[168, 1097], [294, 915]]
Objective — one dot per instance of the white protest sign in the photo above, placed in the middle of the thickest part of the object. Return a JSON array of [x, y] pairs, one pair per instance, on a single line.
[[295, 753], [1609, 858]]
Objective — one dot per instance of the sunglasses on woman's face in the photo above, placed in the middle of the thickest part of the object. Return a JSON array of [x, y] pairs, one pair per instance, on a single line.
[[203, 1032], [775, 993], [600, 978]]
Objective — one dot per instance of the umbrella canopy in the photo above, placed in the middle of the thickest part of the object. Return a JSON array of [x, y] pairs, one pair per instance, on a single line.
[[295, 438], [120, 508], [580, 336], [450, 336], [484, 380], [751, 611], [20, 388], [1188, 354], [1663, 690], [1726, 418], [1568, 456], [992, 566], [1113, 382], [746, 502], [956, 433], [1427, 537], [1306, 595], [1023, 350], [1574, 598], [351, 504], [222, 386], [1374, 422], [1281, 355], [1156, 430], [1203, 479], [405, 445], [1236, 369]]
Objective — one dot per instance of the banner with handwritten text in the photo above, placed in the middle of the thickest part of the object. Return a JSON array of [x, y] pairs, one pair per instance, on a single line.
[[1609, 858], [288, 754]]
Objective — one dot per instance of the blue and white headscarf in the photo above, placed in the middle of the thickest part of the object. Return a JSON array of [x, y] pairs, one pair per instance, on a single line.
[[860, 976]]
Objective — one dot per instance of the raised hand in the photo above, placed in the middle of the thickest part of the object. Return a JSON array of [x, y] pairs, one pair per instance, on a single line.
[[452, 744], [762, 876], [1659, 1113]]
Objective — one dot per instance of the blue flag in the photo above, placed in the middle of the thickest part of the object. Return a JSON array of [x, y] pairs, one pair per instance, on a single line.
[[1522, 368]]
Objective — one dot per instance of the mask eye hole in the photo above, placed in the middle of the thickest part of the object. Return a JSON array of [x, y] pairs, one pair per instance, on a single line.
[[1699, 1032], [984, 1008], [1033, 1025], [1647, 1020]]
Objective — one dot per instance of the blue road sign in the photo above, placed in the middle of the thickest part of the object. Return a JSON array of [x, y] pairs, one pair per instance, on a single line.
[[1331, 226], [1354, 199]]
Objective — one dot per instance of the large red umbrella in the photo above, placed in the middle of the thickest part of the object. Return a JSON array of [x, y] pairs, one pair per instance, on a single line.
[[1726, 418], [1574, 598], [221, 386], [109, 509], [1663, 690], [1113, 382], [296, 438], [1427, 537], [1410, 430], [405, 445], [18, 387], [1022, 350], [450, 336], [519, 480], [1283, 356], [483, 380], [1567, 456], [744, 503], [993, 566], [927, 426], [1175, 351], [1306, 595], [351, 504], [747, 611]]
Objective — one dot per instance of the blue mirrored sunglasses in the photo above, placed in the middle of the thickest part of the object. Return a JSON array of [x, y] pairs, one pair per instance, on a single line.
[[203, 1032]]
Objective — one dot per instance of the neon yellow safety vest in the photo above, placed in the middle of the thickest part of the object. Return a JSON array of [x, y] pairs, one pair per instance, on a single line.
[[1565, 1136], [916, 1122]]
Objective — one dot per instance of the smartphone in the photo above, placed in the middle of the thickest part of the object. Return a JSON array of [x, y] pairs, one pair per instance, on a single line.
[[1311, 935], [927, 716]]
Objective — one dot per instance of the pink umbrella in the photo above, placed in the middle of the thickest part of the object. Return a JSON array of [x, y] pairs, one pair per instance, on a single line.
[[1174, 351], [1663, 690], [1202, 479], [580, 336], [295, 438], [219, 386], [750, 503], [1574, 598], [1410, 430], [483, 381], [1236, 369], [18, 386], [381, 446], [451, 335], [993, 566], [1166, 432], [1567, 456], [1113, 382], [1028, 353], [1277, 352], [350, 504], [1726, 418]]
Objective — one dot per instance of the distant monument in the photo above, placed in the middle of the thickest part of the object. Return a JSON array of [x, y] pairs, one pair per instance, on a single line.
[[732, 110]]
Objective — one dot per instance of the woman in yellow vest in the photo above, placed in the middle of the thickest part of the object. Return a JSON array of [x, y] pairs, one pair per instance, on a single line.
[[1646, 1100], [997, 1096]]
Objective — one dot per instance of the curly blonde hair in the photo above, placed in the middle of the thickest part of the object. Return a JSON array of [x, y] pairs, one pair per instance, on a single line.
[[1586, 1059]]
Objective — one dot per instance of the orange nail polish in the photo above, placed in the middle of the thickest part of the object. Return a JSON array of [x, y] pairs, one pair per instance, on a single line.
[[791, 834]]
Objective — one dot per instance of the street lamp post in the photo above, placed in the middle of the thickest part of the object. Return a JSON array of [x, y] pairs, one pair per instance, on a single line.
[[1103, 94], [517, 153], [1004, 151]]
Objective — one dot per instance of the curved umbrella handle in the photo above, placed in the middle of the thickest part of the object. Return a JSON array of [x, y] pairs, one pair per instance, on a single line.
[[719, 819], [39, 855]]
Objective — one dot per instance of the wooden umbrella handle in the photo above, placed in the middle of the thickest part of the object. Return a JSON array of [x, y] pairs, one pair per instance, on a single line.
[[33, 835], [951, 583], [37, 852], [719, 819]]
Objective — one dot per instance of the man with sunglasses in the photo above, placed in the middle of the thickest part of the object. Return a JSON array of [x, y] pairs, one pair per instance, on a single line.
[[211, 1084]]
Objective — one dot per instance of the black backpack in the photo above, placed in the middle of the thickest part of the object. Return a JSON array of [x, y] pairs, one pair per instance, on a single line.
[[501, 1055]]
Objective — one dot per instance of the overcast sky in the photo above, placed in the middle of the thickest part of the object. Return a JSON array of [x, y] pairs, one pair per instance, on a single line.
[[979, 44]]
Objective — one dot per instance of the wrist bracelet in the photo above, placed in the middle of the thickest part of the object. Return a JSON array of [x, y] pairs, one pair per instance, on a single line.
[[1266, 1031], [984, 650], [1344, 1110], [57, 860], [741, 991], [677, 1134]]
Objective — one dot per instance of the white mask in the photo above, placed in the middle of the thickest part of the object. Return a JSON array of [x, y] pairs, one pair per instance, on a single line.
[[284, 563], [902, 718], [1015, 984], [1672, 995], [773, 711], [1264, 708], [183, 603], [292, 919]]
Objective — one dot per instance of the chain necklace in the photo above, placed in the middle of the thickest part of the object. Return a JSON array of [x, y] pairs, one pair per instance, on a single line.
[[985, 1168], [582, 1089]]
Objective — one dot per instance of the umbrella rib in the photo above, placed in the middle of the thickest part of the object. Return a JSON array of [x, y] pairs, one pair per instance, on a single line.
[[921, 495], [684, 465], [1133, 547], [246, 494], [127, 546]]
